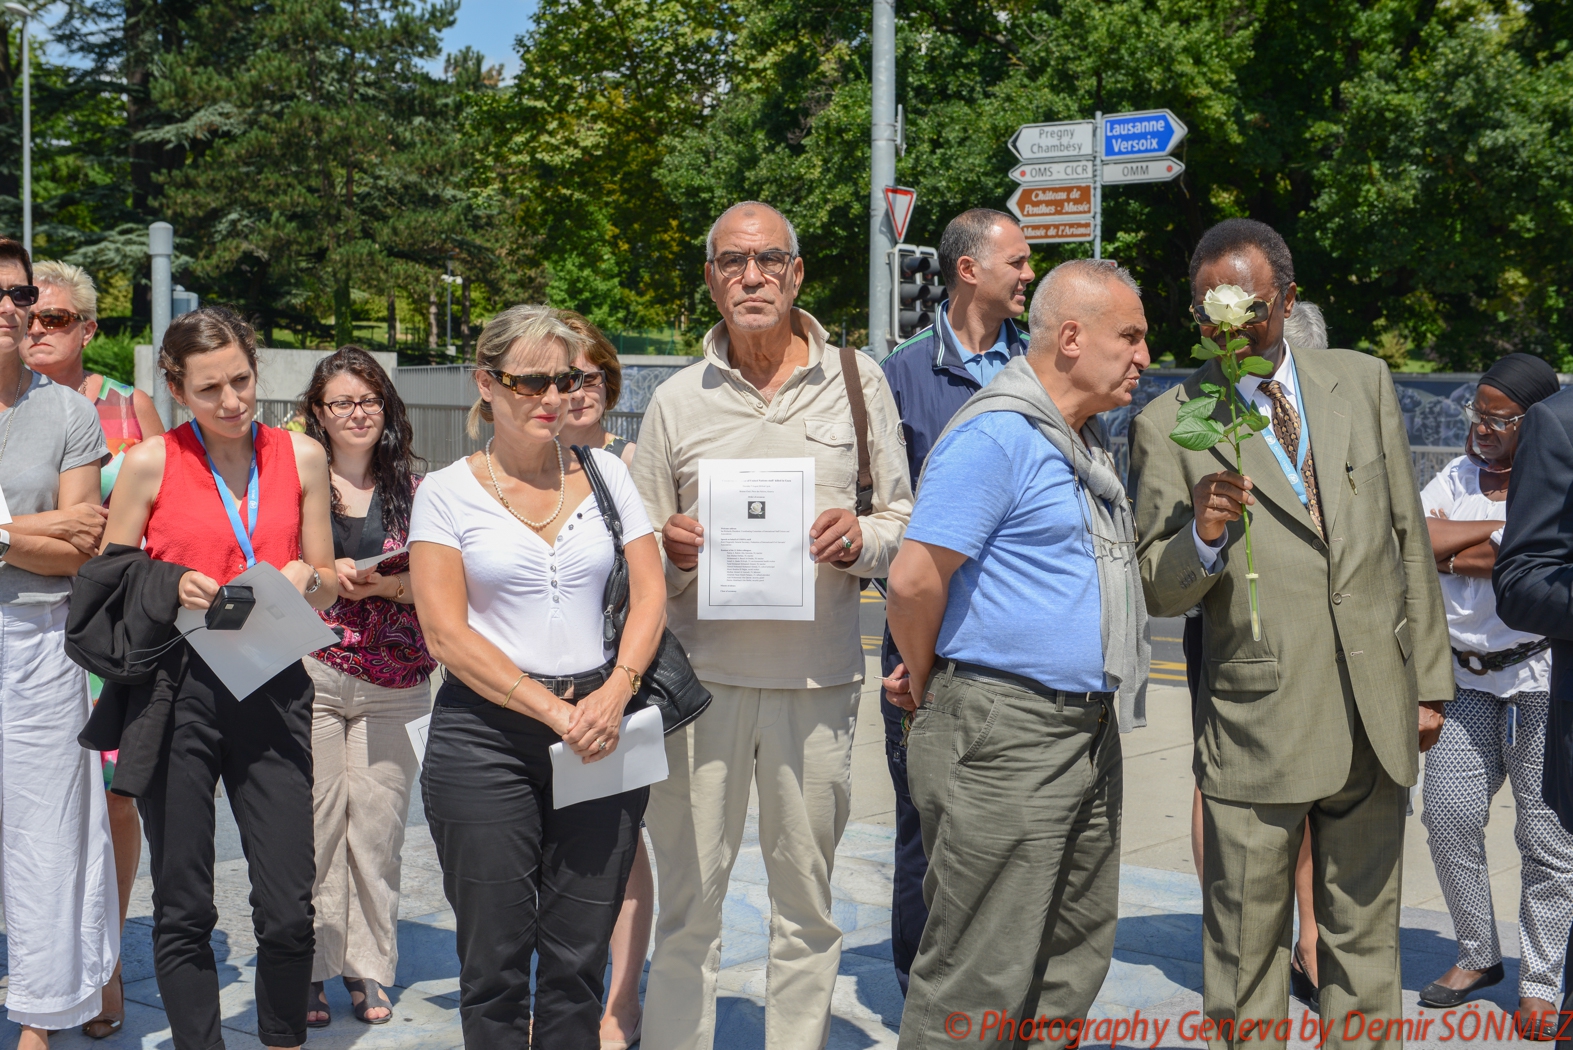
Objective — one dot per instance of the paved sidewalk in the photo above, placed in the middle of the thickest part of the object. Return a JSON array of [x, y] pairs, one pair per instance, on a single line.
[[1156, 974]]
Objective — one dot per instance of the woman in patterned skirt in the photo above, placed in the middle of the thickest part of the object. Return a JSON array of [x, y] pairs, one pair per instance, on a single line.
[[1496, 727], [63, 323]]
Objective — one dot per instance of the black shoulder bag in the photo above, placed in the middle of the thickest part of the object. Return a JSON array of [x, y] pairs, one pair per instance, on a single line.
[[669, 682]]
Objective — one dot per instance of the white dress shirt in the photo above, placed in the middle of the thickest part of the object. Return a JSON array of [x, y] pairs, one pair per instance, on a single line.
[[1250, 388]]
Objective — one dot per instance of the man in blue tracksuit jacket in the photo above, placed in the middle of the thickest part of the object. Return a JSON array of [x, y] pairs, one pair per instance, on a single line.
[[984, 260]]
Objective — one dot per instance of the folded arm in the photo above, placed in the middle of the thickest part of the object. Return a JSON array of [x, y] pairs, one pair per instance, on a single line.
[[1534, 569], [59, 542]]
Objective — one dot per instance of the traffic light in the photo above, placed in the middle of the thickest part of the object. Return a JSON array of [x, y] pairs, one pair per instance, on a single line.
[[916, 289]]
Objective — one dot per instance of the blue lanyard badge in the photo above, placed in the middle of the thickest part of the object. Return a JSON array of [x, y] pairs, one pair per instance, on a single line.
[[1292, 470], [242, 533]]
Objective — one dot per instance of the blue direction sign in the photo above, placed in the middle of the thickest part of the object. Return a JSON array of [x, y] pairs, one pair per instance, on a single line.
[[1150, 133]]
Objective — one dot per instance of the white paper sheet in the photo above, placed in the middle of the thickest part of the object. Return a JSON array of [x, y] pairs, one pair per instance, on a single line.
[[755, 563], [5, 511], [640, 760], [378, 559], [282, 628], [419, 730]]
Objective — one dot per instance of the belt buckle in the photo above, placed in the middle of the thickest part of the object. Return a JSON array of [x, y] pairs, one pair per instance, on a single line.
[[1480, 658]]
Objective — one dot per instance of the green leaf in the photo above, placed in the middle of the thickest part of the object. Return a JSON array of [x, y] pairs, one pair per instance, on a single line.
[[1212, 388], [1256, 421], [1196, 434], [1209, 344], [1198, 407], [1238, 344], [1258, 366], [1202, 353]]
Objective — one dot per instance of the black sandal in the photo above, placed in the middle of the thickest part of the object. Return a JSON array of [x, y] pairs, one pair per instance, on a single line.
[[1300, 984], [371, 999], [317, 1002]]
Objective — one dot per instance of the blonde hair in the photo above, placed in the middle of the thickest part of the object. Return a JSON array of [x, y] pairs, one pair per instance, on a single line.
[[529, 335], [78, 285]]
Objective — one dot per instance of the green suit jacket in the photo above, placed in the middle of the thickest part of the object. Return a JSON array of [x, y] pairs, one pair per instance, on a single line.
[[1351, 624]]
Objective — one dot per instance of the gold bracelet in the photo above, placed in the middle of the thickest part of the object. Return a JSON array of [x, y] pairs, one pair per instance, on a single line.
[[398, 578], [635, 679], [507, 699]]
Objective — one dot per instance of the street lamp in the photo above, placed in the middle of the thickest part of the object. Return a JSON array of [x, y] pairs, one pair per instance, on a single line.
[[27, 132]]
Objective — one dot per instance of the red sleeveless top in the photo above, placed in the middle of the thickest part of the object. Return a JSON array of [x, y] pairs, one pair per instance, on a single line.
[[189, 526]]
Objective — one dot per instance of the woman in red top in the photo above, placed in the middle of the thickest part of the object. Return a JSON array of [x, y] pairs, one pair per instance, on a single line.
[[217, 495]]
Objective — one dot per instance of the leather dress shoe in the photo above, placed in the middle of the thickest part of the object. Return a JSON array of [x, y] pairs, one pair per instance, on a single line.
[[1441, 997]]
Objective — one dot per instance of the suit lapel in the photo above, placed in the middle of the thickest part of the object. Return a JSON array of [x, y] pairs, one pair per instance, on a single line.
[[1327, 416]]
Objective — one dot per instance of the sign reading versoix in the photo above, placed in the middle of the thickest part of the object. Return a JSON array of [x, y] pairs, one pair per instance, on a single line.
[[1149, 134]]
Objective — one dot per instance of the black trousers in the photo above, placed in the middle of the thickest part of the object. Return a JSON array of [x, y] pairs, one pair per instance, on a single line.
[[908, 911], [525, 880], [261, 748]]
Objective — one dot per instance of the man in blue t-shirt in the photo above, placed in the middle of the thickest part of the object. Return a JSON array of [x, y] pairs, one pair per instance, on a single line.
[[1017, 606]]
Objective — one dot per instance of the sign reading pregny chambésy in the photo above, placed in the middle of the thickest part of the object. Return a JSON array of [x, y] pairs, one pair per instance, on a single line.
[[1064, 140]]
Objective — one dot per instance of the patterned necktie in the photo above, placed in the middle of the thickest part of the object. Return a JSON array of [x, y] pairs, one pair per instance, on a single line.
[[1286, 426]]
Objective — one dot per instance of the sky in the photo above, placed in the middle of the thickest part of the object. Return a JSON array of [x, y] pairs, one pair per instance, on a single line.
[[490, 26]]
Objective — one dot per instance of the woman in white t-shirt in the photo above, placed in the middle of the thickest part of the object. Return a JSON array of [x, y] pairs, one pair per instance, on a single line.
[[509, 557], [1496, 727]]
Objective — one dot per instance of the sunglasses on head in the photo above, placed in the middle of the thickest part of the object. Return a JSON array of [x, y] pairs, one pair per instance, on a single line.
[[55, 318], [535, 383], [22, 295], [1260, 312]]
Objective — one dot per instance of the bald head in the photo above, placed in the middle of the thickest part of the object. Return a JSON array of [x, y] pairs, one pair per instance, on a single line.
[[753, 210], [1089, 337], [1079, 290]]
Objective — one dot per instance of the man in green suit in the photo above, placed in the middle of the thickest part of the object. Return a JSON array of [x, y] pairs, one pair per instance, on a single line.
[[1321, 720]]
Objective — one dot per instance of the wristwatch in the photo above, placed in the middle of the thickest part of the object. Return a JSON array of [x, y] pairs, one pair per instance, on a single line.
[[316, 581], [5, 543], [635, 679]]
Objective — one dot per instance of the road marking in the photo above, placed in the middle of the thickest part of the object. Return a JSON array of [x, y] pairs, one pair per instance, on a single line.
[[1170, 677], [1157, 639], [1168, 665]]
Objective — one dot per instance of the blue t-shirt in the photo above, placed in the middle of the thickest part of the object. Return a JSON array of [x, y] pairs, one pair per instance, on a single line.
[[1026, 600]]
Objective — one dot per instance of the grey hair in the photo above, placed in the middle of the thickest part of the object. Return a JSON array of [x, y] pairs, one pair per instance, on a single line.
[[710, 237], [1306, 328], [1055, 300], [531, 330], [968, 235], [75, 281]]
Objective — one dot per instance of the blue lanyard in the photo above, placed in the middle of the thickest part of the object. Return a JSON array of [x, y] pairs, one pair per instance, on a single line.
[[1291, 470], [242, 533]]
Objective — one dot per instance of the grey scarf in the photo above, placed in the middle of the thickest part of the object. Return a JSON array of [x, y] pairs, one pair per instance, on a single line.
[[1126, 648]]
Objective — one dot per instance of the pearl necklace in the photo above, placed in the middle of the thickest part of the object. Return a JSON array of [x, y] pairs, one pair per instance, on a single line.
[[562, 487]]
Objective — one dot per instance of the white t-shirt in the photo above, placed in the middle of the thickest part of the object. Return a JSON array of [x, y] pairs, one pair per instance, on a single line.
[[1472, 620], [539, 604]]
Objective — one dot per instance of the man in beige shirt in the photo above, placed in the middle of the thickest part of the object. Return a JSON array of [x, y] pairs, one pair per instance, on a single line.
[[786, 692]]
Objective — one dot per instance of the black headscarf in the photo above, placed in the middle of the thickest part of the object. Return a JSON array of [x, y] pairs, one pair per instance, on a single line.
[[1523, 377]]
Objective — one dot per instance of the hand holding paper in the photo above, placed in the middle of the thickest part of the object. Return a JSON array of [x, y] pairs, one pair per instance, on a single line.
[[640, 760]]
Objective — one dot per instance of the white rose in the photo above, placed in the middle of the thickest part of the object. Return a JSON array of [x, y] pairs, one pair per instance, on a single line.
[[1228, 304]]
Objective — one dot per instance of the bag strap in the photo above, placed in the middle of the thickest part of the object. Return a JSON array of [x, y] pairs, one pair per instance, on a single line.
[[603, 497], [854, 381]]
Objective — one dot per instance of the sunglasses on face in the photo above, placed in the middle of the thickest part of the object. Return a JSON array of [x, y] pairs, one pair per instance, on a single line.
[[23, 295], [772, 262], [1499, 424], [344, 407], [535, 384], [1260, 312], [593, 379], [55, 318]]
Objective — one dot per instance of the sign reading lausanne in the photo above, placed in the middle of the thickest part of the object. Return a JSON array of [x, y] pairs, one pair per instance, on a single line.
[[1152, 133]]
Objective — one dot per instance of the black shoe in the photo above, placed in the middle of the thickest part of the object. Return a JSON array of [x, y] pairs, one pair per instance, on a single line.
[[1441, 997], [1300, 984]]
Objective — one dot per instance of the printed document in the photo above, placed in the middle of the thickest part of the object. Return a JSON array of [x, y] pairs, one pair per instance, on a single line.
[[377, 559], [282, 628], [640, 760], [419, 730], [755, 563]]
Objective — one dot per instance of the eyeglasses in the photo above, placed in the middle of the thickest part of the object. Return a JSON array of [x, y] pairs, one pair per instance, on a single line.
[[1499, 424], [772, 262], [55, 318], [23, 295], [593, 379], [344, 407], [1260, 312], [535, 384]]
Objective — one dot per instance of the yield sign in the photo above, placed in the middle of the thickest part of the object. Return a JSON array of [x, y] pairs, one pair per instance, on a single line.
[[900, 200]]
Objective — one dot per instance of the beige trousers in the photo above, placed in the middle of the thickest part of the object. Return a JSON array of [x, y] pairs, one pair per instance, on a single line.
[[363, 767], [795, 745]]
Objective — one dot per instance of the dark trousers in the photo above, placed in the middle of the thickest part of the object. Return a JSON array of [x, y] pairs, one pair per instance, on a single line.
[[524, 879], [908, 913], [261, 748]]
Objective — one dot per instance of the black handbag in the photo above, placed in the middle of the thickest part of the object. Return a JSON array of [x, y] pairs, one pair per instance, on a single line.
[[669, 682]]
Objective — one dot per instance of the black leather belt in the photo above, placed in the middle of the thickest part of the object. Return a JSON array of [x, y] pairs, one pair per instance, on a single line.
[[455, 693], [1485, 663], [980, 673]]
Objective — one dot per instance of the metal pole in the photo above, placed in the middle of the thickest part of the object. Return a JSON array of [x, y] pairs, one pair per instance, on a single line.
[[449, 282], [1097, 185], [27, 131], [161, 245], [882, 171]]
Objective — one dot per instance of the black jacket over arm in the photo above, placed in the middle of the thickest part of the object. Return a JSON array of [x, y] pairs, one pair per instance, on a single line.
[[1533, 577], [123, 607]]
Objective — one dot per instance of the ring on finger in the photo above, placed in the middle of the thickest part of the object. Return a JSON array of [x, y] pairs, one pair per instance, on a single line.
[[602, 746], [846, 543]]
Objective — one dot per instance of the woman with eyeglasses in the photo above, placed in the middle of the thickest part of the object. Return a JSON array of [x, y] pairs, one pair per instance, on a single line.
[[216, 496], [587, 408], [57, 866], [1496, 727], [510, 558], [63, 322], [368, 687]]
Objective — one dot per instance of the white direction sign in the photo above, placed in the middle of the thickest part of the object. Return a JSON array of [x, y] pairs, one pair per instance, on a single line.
[[900, 199], [1057, 232], [1049, 172], [1061, 141], [1154, 169]]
